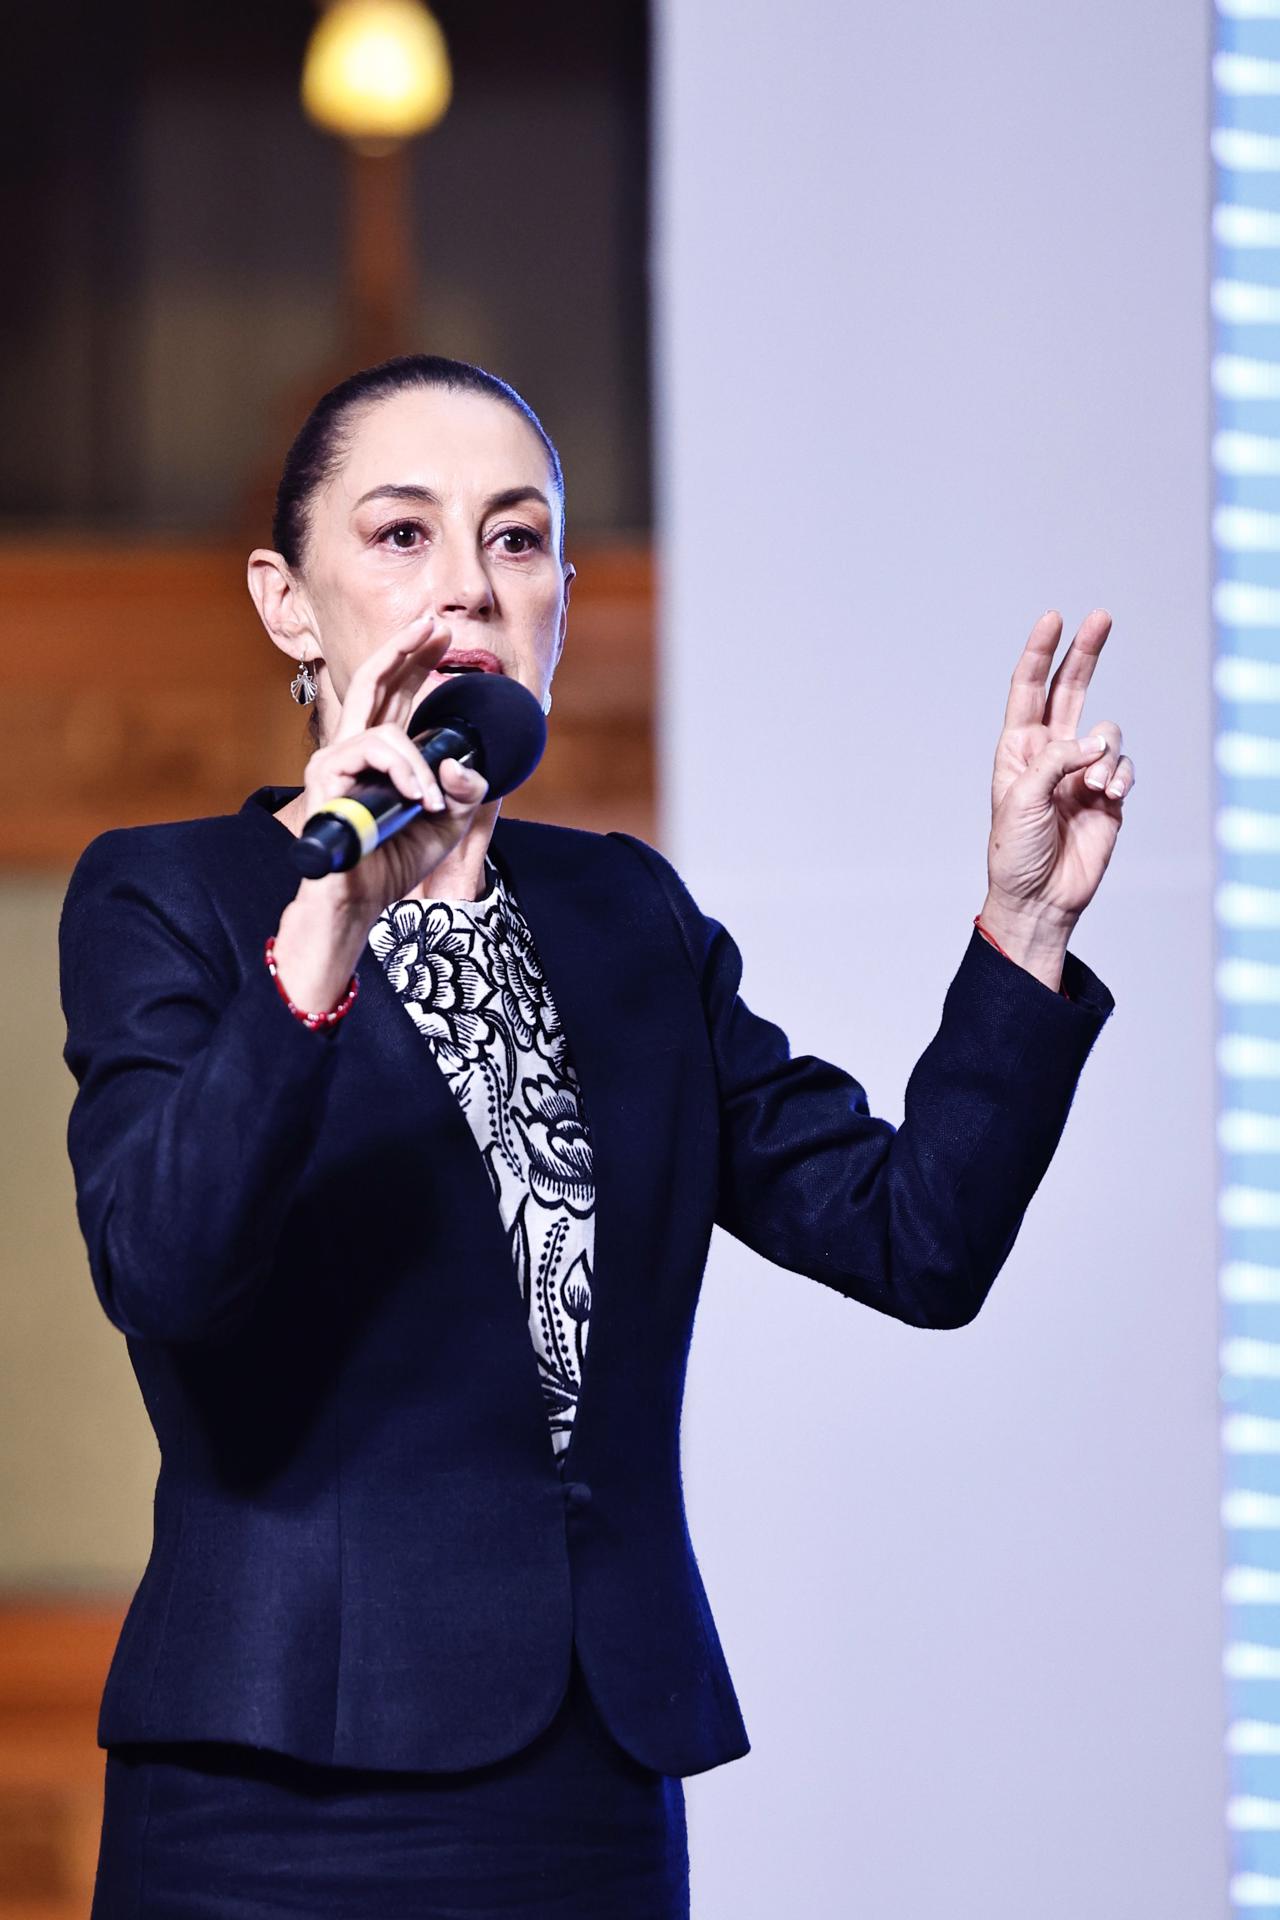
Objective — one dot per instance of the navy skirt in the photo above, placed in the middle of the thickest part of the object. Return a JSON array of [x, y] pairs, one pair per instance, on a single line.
[[570, 1828]]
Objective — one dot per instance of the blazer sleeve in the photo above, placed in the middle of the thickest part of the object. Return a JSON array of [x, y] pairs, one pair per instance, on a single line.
[[917, 1220], [199, 1095]]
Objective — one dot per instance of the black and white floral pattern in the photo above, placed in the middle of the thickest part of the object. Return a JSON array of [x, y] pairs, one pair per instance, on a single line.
[[469, 977]]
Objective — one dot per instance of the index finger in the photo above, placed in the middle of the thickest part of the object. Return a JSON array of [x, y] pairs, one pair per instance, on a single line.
[[1070, 683], [387, 672], [1026, 703]]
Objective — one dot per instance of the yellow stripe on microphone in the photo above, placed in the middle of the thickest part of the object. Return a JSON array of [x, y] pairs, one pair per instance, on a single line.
[[356, 815]]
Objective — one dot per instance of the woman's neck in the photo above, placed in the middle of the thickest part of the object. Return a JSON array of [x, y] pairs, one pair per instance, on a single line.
[[459, 876]]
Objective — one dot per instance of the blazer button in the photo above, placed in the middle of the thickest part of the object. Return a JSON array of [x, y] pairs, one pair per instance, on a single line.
[[577, 1493]]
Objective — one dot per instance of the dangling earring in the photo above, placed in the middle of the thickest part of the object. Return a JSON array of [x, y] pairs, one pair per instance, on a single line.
[[546, 705], [303, 685]]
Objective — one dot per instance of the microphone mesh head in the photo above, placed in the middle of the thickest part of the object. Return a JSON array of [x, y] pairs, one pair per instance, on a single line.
[[505, 717]]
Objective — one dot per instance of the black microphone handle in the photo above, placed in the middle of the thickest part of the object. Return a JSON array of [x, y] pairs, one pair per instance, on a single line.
[[341, 831]]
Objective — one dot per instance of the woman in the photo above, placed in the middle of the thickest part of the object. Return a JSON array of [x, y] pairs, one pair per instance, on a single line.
[[422, 1630]]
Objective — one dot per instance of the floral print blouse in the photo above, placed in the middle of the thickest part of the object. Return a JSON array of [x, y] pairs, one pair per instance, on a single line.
[[468, 975]]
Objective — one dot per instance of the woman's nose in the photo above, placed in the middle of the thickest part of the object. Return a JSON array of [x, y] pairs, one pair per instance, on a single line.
[[461, 581]]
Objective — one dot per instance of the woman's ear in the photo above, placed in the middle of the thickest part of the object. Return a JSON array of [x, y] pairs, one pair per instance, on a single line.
[[282, 603], [570, 575]]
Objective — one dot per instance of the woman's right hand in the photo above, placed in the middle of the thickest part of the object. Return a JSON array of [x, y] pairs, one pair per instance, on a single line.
[[324, 928]]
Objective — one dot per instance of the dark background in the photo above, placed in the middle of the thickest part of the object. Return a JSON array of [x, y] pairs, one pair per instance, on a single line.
[[173, 235]]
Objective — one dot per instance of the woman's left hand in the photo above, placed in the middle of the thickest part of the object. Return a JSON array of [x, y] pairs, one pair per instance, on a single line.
[[1057, 796]]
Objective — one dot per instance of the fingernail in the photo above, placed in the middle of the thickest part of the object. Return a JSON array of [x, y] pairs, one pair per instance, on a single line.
[[1116, 787], [1095, 778]]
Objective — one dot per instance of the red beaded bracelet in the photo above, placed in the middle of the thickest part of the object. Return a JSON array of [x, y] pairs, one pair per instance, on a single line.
[[987, 935], [312, 1020]]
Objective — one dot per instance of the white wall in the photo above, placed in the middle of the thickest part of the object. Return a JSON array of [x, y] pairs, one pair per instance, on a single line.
[[931, 326]]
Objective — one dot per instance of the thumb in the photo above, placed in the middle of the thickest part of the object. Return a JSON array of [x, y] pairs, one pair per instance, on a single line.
[[1059, 758], [467, 784]]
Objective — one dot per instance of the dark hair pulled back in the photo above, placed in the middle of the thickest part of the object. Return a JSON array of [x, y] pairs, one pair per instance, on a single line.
[[317, 452]]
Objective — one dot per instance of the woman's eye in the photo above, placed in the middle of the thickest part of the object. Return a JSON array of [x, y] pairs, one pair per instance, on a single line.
[[405, 536], [402, 536], [527, 534]]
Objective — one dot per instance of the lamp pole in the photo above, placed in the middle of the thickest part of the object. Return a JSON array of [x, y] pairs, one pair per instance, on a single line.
[[376, 72], [379, 253]]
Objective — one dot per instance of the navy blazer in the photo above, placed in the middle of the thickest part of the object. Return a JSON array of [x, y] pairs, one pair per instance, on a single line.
[[365, 1549]]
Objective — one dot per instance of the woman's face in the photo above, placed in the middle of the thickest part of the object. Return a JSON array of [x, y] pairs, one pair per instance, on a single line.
[[443, 505]]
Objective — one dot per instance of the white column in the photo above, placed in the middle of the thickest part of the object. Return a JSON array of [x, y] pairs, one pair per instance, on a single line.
[[932, 342]]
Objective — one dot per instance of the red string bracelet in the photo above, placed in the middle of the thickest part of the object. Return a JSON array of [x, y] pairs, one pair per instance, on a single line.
[[977, 921], [312, 1020]]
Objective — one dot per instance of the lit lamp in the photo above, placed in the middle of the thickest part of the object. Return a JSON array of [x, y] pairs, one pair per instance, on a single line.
[[377, 73]]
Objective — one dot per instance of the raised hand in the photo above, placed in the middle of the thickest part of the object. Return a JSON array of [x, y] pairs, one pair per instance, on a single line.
[[370, 733], [323, 929], [1057, 797]]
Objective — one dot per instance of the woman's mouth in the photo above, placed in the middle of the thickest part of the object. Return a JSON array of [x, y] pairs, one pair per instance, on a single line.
[[467, 660]]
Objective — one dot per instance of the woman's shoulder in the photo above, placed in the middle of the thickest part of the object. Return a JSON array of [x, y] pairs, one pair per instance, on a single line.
[[626, 857], [158, 842], [624, 865], [174, 863]]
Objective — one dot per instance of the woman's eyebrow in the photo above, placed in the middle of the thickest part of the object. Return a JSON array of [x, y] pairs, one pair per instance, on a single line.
[[512, 496], [508, 497], [392, 491]]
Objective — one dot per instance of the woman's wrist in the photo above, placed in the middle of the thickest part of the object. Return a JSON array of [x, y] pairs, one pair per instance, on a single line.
[[1034, 939], [317, 945]]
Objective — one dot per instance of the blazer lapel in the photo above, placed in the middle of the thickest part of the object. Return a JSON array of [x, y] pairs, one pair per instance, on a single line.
[[581, 916], [567, 890], [389, 1079]]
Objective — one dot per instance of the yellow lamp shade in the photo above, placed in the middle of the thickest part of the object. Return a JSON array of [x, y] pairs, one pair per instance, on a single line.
[[376, 70]]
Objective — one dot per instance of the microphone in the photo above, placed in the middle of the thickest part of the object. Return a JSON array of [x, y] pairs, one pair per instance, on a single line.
[[484, 720]]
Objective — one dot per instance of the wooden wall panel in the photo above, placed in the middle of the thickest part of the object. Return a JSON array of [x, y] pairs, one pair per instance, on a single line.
[[138, 686], [53, 1662]]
